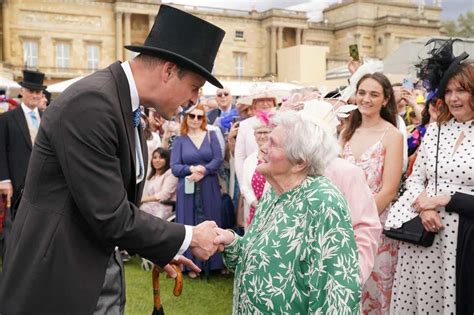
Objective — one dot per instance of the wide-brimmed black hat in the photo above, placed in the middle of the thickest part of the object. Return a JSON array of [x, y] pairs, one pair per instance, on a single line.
[[185, 39], [33, 80]]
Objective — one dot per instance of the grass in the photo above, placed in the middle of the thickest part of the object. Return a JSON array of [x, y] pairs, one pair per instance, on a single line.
[[200, 296]]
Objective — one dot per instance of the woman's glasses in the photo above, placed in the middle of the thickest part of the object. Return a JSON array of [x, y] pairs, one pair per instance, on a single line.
[[194, 116], [222, 94]]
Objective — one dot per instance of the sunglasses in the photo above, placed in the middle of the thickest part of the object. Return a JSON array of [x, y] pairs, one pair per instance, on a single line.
[[193, 116], [222, 94]]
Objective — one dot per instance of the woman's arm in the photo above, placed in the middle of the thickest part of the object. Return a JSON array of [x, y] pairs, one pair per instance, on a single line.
[[392, 170], [329, 260], [461, 203], [232, 247], [178, 168], [213, 166], [168, 189]]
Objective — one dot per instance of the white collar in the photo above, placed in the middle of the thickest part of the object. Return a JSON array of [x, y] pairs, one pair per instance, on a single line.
[[131, 83], [28, 110]]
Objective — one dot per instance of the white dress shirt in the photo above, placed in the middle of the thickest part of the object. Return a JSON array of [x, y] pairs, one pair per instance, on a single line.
[[135, 100]]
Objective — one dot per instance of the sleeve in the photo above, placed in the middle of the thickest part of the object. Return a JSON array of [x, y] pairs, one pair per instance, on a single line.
[[239, 153], [330, 263], [4, 172], [221, 140], [246, 185], [365, 221], [213, 166], [232, 253], [86, 138], [169, 187], [178, 168], [402, 211], [461, 203]]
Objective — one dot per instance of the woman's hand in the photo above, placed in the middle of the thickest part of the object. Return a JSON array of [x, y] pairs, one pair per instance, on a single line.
[[425, 202], [195, 177], [224, 238], [254, 204], [431, 220]]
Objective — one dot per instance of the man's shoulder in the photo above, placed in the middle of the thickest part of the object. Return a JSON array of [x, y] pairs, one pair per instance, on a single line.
[[10, 114]]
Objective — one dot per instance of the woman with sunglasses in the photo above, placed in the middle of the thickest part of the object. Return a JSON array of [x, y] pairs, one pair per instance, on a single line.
[[195, 159]]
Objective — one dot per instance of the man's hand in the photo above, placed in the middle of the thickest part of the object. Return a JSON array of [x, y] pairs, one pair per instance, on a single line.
[[202, 244], [180, 260], [7, 189]]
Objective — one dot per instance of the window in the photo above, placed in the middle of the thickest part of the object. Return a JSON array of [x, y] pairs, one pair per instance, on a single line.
[[62, 55], [93, 57], [239, 64], [239, 34], [30, 54]]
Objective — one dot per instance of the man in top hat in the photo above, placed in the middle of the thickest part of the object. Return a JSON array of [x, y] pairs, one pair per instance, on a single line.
[[18, 130], [86, 177]]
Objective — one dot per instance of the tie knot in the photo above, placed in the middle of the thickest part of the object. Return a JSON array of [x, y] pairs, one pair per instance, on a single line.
[[136, 117]]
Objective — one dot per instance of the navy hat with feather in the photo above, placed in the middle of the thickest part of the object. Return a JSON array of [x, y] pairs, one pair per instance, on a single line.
[[435, 71]]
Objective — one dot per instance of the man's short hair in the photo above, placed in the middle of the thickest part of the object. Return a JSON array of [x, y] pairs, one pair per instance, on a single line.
[[151, 62]]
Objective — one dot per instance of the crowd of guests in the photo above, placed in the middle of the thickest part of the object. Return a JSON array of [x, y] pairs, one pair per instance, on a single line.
[[313, 182]]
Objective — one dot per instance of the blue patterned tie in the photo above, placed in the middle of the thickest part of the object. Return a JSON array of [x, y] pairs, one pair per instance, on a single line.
[[136, 118], [34, 120]]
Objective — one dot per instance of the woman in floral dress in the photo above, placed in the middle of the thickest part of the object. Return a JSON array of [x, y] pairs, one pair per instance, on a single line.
[[372, 141], [299, 255]]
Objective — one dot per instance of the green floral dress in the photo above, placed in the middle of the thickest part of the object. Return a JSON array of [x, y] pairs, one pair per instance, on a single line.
[[299, 255]]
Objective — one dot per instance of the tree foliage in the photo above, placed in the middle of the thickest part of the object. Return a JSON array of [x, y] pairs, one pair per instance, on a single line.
[[462, 27]]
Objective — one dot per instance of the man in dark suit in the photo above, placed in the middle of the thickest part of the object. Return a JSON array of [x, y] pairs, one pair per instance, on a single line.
[[224, 105], [18, 129], [86, 176]]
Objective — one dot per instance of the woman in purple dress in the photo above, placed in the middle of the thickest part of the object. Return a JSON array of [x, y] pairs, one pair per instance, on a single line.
[[195, 160]]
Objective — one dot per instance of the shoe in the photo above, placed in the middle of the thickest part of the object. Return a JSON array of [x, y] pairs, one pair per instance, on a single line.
[[225, 272]]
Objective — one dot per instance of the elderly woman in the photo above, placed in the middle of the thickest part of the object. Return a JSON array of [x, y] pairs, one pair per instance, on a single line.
[[439, 278], [299, 255]]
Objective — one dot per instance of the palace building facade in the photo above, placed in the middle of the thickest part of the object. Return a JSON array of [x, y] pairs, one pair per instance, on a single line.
[[70, 38]]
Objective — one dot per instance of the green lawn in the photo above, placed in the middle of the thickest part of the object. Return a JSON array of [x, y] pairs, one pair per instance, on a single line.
[[200, 296]]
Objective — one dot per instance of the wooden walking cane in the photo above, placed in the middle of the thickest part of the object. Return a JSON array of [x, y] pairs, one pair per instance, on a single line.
[[178, 287]]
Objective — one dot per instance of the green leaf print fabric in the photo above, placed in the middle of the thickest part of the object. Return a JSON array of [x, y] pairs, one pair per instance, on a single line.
[[299, 255]]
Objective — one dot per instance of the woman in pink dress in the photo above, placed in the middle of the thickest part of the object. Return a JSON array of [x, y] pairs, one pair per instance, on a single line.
[[160, 185], [372, 141]]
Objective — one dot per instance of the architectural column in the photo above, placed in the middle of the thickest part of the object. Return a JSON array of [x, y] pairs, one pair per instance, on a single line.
[[273, 50], [280, 37], [118, 36], [151, 21], [127, 28], [6, 32], [298, 36]]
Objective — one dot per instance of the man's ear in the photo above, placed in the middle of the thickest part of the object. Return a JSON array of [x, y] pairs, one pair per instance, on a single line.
[[167, 70]]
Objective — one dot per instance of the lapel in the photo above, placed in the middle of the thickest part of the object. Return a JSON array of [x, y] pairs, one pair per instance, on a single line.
[[20, 119], [123, 90], [143, 144]]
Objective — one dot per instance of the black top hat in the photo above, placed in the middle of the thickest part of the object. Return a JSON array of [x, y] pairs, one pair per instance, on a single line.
[[33, 80], [437, 70], [185, 39]]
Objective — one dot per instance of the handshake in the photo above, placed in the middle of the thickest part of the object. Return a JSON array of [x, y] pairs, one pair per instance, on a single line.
[[208, 239]]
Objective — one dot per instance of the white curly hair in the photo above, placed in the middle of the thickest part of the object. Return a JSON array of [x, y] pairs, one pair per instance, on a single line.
[[306, 141]]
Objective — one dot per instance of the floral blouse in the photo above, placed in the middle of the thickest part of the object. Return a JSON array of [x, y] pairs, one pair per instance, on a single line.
[[299, 255]]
